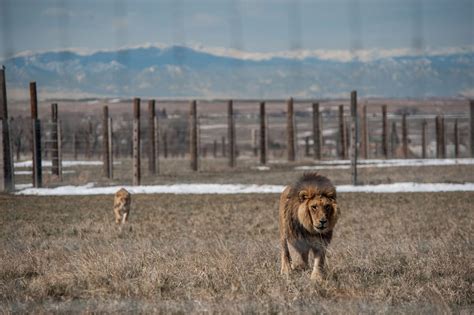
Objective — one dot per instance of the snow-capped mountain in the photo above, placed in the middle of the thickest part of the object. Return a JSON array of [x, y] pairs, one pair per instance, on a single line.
[[179, 71]]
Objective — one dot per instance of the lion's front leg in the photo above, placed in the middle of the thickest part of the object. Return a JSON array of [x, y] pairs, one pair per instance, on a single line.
[[319, 263], [285, 258]]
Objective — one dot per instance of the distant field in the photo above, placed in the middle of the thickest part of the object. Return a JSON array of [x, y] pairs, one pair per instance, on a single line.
[[392, 253]]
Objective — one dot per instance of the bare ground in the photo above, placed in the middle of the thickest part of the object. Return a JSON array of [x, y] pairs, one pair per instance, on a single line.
[[392, 253]]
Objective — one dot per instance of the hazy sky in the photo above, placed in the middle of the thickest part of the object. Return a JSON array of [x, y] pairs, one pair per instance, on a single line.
[[256, 26]]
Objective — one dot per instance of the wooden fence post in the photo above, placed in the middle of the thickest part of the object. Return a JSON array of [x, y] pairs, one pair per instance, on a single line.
[[60, 150], [404, 136], [290, 131], [384, 132], [7, 178], [316, 132], [443, 139], [193, 137], [440, 138], [342, 133], [263, 134], [151, 137], [54, 147], [231, 132], [105, 142], [156, 127], [456, 139], [136, 142], [36, 136], [354, 137], [255, 142], [365, 134], [471, 124], [110, 147], [423, 139]]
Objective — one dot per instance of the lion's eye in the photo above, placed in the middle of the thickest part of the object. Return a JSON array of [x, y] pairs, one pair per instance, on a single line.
[[314, 207], [327, 207]]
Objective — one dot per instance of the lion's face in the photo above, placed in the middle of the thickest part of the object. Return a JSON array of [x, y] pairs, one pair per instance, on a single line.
[[316, 212]]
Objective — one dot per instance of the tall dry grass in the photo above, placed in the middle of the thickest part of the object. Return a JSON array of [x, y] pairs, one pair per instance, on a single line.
[[392, 253]]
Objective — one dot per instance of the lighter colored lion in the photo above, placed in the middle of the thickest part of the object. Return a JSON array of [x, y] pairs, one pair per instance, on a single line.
[[122, 203], [308, 214]]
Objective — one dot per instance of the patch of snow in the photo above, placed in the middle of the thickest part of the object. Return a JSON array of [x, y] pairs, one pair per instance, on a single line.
[[345, 164], [46, 163], [89, 189]]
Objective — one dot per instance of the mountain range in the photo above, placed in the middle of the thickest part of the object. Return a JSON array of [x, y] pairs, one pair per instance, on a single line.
[[181, 71]]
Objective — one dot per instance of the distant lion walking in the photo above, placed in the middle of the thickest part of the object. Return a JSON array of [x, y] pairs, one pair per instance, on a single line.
[[122, 203]]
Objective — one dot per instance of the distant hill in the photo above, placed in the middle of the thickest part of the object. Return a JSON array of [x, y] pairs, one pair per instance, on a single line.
[[179, 71]]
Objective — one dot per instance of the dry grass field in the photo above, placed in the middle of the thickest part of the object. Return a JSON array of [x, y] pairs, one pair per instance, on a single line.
[[392, 253]]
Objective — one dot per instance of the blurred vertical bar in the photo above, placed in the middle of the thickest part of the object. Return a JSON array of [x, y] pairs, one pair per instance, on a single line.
[[342, 134], [404, 136], [105, 144], [423, 139], [36, 136], [54, 140], [290, 130], [231, 132], [316, 132], [193, 137], [136, 142], [471, 128], [151, 137], [365, 133], [384, 132], [354, 137], [263, 134], [6, 154]]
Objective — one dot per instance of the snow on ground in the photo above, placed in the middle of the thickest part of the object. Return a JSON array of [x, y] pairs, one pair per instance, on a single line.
[[89, 189], [64, 163], [31, 172], [345, 164]]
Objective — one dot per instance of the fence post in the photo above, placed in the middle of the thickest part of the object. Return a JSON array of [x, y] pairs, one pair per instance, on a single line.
[[193, 138], [354, 137], [105, 144], [136, 142], [60, 150], [423, 139], [456, 139], [6, 152], [316, 132], [404, 136], [443, 139], [151, 137], [471, 128], [156, 127], [384, 132], [231, 132], [110, 147], [36, 136], [342, 133], [365, 134], [54, 140], [290, 130], [263, 135]]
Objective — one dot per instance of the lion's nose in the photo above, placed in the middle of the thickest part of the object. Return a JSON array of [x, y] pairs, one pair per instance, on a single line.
[[323, 221]]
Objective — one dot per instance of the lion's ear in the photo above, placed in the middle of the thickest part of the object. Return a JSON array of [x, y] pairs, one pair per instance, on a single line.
[[303, 195]]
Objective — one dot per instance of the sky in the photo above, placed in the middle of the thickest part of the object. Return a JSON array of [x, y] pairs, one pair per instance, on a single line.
[[253, 26]]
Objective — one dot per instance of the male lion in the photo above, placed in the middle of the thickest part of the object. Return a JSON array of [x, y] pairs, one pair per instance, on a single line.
[[122, 202], [308, 213]]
